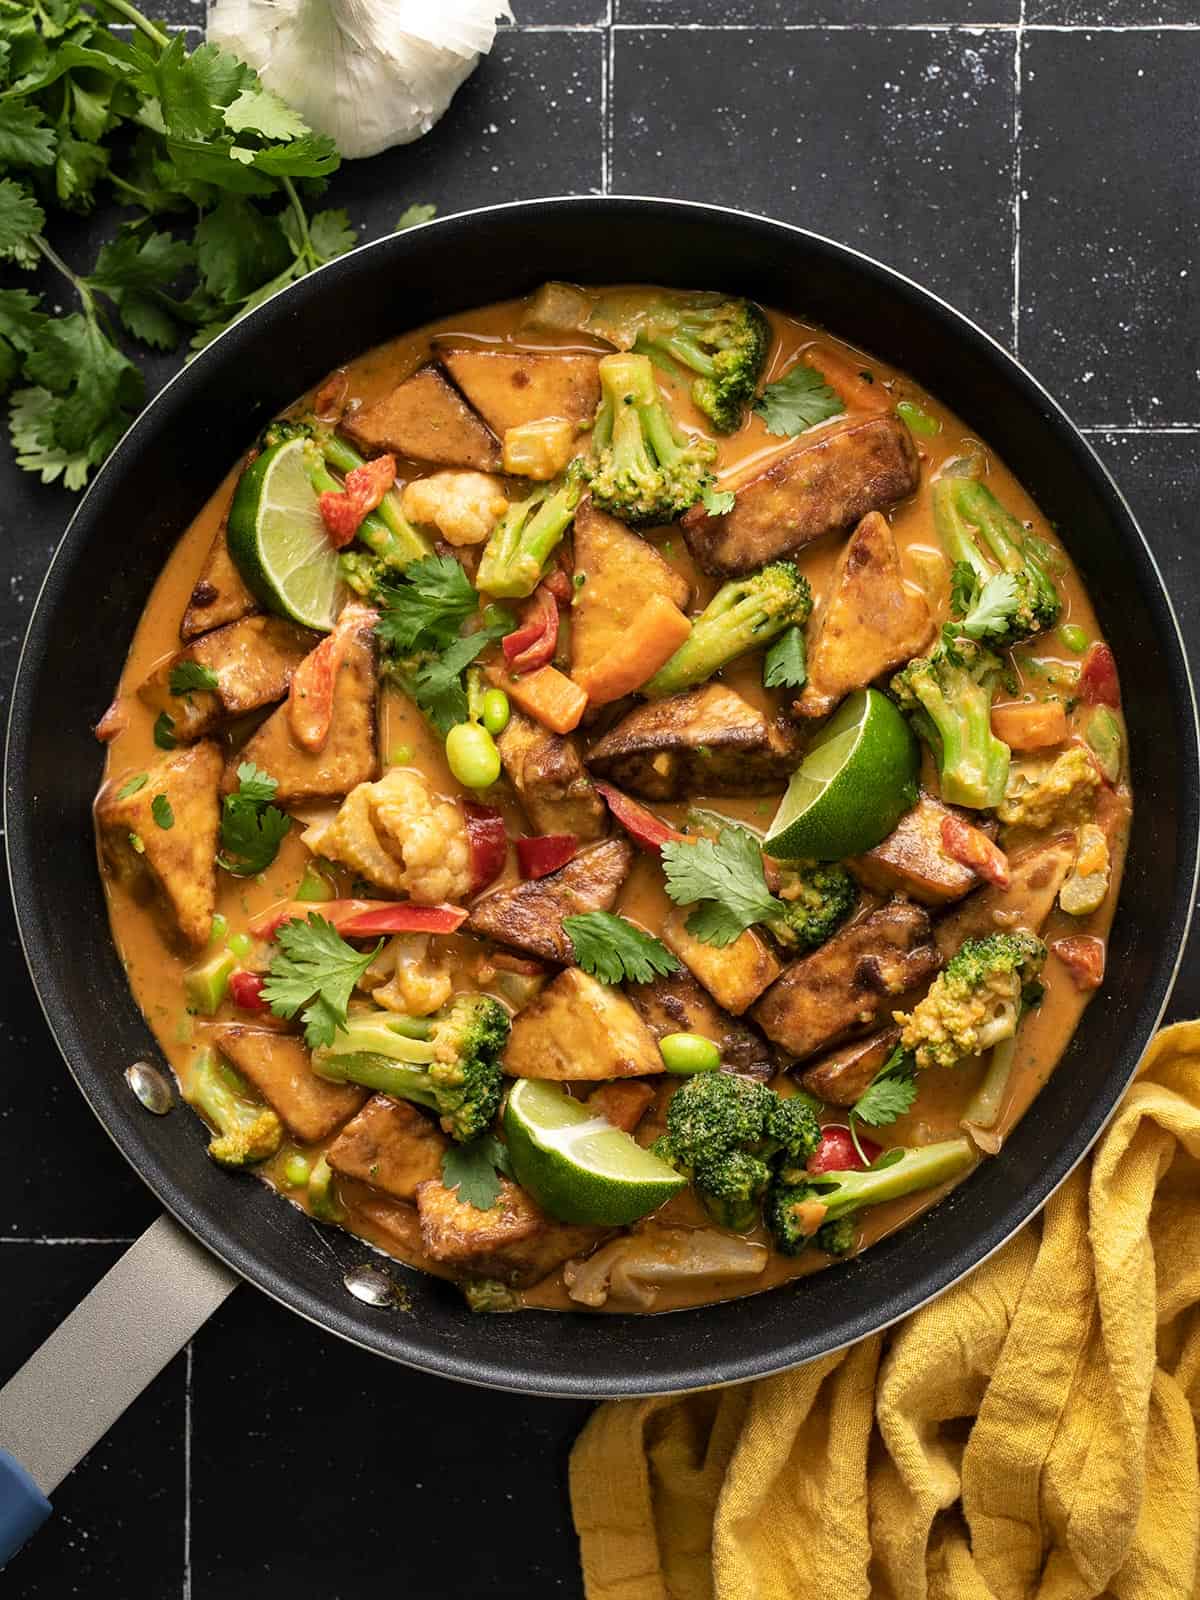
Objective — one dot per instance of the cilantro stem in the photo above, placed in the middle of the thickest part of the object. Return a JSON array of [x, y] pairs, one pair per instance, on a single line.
[[132, 14], [56, 261], [306, 245]]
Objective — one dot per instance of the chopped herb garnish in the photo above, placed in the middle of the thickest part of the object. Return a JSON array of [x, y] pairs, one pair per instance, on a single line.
[[160, 810], [426, 610], [724, 879], [786, 661], [888, 1096], [474, 1170], [132, 785], [718, 502], [799, 401], [613, 950], [252, 829], [137, 843], [188, 675], [164, 732]]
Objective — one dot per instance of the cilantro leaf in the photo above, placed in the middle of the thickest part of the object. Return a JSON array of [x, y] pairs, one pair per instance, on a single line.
[[474, 1170], [262, 111], [798, 401], [786, 661], [188, 675], [31, 429], [435, 682], [160, 810], [612, 949], [137, 260], [164, 731], [25, 140], [428, 608], [20, 218], [718, 502], [132, 785], [413, 215], [890, 1093], [331, 234], [252, 829], [724, 879], [314, 971], [193, 90], [237, 247]]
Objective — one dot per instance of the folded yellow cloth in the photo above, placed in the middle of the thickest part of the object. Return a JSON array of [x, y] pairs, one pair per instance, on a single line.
[[1032, 1433]]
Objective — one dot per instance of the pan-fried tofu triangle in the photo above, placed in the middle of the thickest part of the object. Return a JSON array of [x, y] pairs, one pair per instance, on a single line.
[[391, 1146], [514, 1241], [872, 621], [174, 864], [349, 754], [579, 1029], [252, 661], [509, 387], [530, 916], [425, 419], [219, 596], [280, 1068]]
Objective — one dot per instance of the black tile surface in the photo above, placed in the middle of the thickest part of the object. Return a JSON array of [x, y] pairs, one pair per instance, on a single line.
[[896, 141], [303, 1470]]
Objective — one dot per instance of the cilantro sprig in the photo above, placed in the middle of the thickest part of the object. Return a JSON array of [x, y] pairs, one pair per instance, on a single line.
[[888, 1096], [252, 829], [800, 400], [613, 950], [786, 661], [432, 673], [314, 972], [474, 1170], [724, 879], [187, 676], [426, 610]]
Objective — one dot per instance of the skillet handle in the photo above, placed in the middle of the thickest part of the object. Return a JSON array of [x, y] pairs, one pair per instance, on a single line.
[[95, 1363]]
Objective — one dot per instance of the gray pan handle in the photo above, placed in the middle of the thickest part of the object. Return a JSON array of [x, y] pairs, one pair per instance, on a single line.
[[96, 1363]]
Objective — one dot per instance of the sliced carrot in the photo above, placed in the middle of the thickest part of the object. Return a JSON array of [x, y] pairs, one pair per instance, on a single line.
[[547, 695], [845, 375], [655, 632], [1030, 724]]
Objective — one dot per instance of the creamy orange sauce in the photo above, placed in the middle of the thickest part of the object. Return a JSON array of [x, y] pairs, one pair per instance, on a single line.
[[155, 972]]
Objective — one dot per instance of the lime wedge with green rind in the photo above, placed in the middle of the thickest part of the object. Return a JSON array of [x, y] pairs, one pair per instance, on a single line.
[[857, 779], [577, 1166], [278, 541]]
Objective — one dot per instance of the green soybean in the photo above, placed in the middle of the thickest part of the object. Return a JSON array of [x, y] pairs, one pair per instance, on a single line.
[[472, 755], [496, 711], [241, 944], [1074, 637], [686, 1053], [296, 1171]]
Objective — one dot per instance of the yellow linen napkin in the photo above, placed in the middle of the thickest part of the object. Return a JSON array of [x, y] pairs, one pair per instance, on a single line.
[[1032, 1433]]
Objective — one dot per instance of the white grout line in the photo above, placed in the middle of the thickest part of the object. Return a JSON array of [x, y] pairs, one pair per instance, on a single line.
[[1017, 178], [1169, 428], [608, 127], [187, 1476], [10, 1238], [902, 27]]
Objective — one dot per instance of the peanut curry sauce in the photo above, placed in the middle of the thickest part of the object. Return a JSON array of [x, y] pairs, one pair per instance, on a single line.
[[156, 970]]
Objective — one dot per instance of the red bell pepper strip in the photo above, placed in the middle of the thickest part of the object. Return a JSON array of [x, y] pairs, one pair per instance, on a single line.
[[971, 847], [362, 919], [487, 841], [533, 644], [559, 584], [646, 830], [1083, 957], [836, 1152], [245, 990], [310, 694], [545, 853], [342, 511], [1098, 682]]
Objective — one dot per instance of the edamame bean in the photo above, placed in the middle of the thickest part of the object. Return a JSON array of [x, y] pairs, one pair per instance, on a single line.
[[472, 755], [296, 1171], [495, 711], [686, 1053], [1074, 637], [241, 944]]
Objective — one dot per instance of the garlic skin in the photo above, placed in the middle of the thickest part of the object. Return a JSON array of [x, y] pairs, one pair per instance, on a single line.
[[369, 73]]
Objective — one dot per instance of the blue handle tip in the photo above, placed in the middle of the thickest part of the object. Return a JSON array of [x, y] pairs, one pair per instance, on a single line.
[[23, 1506]]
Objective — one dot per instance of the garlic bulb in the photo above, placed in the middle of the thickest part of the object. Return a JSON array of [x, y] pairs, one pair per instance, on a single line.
[[370, 73]]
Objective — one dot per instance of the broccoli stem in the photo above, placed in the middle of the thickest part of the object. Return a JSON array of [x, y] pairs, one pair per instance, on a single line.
[[741, 616], [921, 1168], [954, 531], [525, 539], [380, 1073], [323, 1199], [386, 531]]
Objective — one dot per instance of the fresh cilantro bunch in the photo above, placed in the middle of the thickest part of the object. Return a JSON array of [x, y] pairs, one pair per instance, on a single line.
[[217, 169]]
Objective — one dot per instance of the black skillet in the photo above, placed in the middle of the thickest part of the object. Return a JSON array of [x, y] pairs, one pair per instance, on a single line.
[[159, 477]]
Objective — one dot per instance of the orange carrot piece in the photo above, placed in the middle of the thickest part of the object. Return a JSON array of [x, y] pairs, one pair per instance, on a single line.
[[547, 695], [1030, 724], [844, 375], [654, 634]]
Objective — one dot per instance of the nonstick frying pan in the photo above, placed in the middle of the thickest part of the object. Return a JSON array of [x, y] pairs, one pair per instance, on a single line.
[[155, 482]]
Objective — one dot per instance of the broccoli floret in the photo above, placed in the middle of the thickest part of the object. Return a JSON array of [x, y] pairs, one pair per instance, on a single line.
[[246, 1130], [641, 470], [1001, 592], [449, 1063], [526, 536], [948, 696], [819, 897], [323, 1199], [741, 616], [724, 1131], [490, 1295], [975, 1001], [364, 573], [802, 1207]]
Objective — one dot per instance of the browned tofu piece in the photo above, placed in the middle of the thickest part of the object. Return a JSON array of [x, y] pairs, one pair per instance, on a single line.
[[620, 572], [850, 981], [578, 1029], [736, 975], [547, 771], [913, 861], [1035, 877], [706, 741], [840, 1078], [392, 1224], [252, 660], [173, 867], [529, 916], [219, 596], [509, 387], [349, 756], [825, 484], [427, 419], [515, 1241], [280, 1068], [390, 1145], [676, 1003], [622, 1104], [870, 623]]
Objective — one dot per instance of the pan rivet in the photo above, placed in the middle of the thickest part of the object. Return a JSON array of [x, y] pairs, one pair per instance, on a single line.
[[372, 1287], [150, 1087]]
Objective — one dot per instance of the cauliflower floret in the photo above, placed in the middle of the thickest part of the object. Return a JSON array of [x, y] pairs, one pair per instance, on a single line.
[[464, 507], [1087, 884], [539, 450], [405, 977], [351, 839], [975, 1002], [1041, 793], [425, 832]]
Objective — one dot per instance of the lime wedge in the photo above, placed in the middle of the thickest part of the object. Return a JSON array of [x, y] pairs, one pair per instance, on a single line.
[[577, 1166], [278, 541], [856, 781]]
